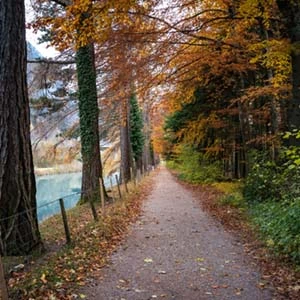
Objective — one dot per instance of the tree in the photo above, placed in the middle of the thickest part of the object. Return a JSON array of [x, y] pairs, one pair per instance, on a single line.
[[89, 127], [137, 138], [125, 145], [19, 233], [87, 94]]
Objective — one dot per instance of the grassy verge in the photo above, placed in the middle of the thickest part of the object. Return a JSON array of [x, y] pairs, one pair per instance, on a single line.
[[63, 270]]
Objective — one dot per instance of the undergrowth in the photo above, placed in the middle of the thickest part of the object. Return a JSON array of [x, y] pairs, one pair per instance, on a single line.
[[192, 166], [279, 226]]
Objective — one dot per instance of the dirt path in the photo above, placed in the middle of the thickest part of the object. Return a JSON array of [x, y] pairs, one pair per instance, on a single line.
[[176, 251]]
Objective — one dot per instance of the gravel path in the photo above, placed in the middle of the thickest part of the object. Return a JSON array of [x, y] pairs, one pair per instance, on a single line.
[[176, 251]]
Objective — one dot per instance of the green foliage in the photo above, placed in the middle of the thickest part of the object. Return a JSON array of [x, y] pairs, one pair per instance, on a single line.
[[232, 194], [234, 199], [272, 190], [195, 168], [280, 226], [263, 182], [137, 138], [274, 181]]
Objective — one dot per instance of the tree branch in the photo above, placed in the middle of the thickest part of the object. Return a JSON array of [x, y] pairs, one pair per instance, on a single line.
[[51, 62]]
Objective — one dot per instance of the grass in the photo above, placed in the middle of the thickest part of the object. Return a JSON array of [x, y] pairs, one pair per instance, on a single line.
[[231, 194]]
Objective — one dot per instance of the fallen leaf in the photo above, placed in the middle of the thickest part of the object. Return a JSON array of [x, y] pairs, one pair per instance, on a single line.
[[296, 288], [200, 259], [43, 278]]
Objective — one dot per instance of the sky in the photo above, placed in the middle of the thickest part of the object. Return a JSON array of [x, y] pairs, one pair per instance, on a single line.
[[33, 38]]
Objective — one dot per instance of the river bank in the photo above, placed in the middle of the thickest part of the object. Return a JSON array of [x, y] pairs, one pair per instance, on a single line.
[[59, 169]]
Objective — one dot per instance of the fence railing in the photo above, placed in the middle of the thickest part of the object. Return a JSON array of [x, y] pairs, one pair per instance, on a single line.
[[116, 192]]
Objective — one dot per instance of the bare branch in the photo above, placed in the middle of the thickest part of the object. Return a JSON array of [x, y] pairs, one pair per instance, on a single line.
[[51, 62]]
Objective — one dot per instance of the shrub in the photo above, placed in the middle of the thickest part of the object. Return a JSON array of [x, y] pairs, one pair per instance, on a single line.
[[263, 182], [274, 181], [280, 226], [195, 168]]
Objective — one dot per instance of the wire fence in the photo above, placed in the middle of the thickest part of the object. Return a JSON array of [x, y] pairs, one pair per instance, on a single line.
[[19, 226]]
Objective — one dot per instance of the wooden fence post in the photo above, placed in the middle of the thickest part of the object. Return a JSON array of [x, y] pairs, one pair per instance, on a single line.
[[102, 197], [94, 211], [111, 187], [65, 220], [118, 184], [126, 187], [132, 175], [138, 175], [3, 288]]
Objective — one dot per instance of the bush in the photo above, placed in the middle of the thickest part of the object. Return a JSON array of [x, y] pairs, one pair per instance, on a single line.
[[263, 183], [233, 199], [195, 168], [274, 181], [280, 226]]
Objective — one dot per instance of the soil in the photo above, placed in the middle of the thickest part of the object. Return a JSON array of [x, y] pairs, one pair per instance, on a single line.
[[177, 251]]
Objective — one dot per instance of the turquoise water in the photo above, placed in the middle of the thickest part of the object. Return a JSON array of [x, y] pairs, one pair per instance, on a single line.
[[52, 187]]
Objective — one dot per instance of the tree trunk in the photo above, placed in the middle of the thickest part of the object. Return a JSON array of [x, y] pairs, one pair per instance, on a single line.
[[146, 153], [89, 128], [126, 157], [243, 121], [19, 233], [291, 13]]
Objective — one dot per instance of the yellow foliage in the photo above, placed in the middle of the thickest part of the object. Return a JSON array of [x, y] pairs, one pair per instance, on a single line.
[[275, 56]]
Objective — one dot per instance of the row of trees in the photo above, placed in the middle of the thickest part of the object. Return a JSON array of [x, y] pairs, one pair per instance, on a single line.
[[226, 70], [236, 81], [19, 229]]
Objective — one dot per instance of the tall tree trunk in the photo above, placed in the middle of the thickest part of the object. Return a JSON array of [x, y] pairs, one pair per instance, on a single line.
[[19, 233], [243, 121], [291, 13], [89, 128], [126, 155], [146, 153]]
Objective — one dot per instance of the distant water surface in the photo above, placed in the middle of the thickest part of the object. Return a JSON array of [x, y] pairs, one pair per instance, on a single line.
[[52, 187]]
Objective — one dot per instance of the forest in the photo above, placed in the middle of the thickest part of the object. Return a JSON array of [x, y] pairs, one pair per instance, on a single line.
[[208, 88]]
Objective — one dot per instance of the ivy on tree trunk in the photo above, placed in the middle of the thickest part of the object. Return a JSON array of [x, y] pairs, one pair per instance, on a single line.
[[137, 138], [89, 130]]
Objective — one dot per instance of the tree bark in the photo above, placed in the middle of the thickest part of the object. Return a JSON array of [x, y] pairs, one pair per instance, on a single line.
[[19, 233], [89, 128], [126, 156], [146, 153]]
